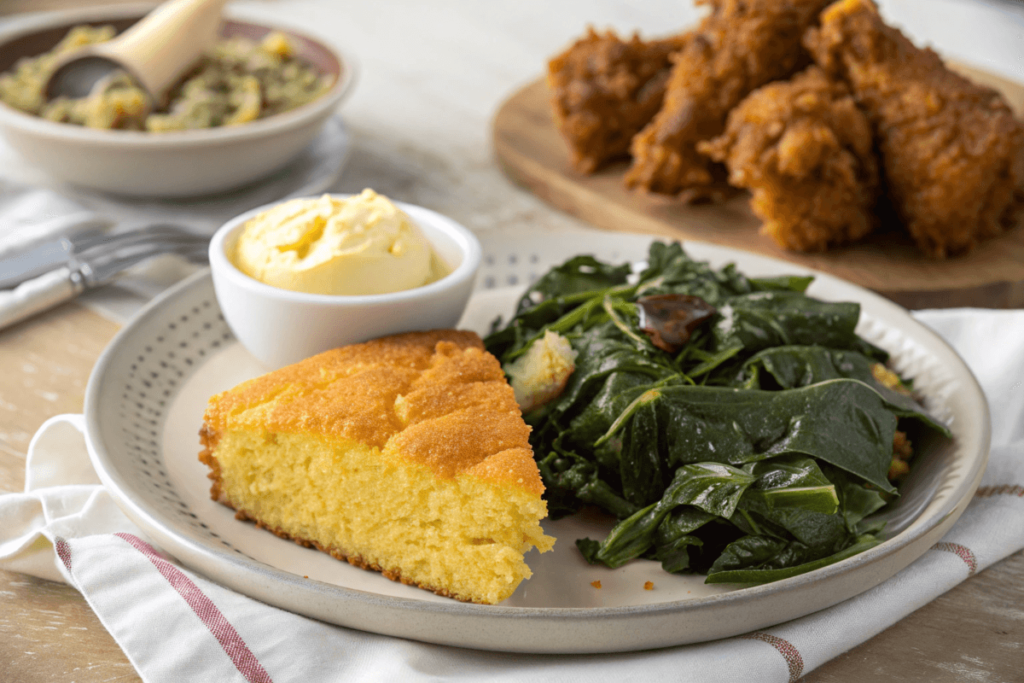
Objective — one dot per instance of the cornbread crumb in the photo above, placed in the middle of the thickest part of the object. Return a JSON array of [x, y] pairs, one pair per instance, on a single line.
[[405, 455], [648, 585], [540, 375], [889, 379], [595, 584], [902, 452]]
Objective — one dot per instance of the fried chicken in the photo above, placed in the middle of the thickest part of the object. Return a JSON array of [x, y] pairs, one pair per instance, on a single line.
[[741, 46], [952, 151], [806, 151], [604, 90]]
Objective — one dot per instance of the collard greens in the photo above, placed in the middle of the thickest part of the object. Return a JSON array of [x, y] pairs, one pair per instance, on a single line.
[[752, 452]]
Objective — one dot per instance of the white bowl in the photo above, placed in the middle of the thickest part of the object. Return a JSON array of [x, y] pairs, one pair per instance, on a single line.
[[280, 327], [175, 163]]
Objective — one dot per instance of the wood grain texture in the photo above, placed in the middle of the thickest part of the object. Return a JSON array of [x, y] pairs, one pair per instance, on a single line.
[[46, 362], [531, 152], [49, 633], [975, 632]]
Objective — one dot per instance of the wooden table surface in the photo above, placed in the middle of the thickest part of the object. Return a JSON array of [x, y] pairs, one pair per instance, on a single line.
[[48, 633]]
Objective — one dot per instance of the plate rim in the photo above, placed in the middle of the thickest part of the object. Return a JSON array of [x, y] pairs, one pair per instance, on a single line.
[[181, 547]]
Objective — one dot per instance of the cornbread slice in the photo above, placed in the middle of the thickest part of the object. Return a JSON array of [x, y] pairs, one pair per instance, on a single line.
[[407, 455]]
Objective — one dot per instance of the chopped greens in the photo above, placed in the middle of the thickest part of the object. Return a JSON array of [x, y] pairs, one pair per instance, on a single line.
[[734, 426]]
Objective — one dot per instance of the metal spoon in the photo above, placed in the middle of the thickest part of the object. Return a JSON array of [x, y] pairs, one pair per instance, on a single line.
[[156, 51]]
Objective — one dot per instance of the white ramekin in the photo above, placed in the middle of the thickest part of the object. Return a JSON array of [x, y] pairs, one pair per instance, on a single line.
[[280, 327]]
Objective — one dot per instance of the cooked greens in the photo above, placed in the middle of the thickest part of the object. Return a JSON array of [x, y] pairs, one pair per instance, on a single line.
[[734, 426]]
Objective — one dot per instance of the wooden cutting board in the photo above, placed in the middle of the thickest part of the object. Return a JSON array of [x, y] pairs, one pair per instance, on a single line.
[[532, 153]]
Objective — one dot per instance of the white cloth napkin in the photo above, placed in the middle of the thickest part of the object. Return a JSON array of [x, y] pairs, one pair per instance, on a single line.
[[174, 625]]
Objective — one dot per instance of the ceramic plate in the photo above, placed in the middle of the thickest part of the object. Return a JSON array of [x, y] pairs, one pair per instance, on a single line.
[[144, 407]]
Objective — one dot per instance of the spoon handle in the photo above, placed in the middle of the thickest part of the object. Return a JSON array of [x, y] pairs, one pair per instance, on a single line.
[[169, 40]]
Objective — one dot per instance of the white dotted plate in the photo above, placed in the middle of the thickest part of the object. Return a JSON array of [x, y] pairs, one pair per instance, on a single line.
[[144, 407]]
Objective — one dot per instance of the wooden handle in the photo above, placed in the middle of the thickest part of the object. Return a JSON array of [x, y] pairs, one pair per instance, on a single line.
[[162, 46]]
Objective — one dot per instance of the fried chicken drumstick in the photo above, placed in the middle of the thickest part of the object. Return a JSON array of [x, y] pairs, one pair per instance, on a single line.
[[604, 90], [740, 46], [806, 151], [952, 151]]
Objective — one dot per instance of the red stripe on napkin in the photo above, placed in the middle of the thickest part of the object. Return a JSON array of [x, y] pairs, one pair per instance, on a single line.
[[63, 552], [962, 552], [1003, 490], [245, 661], [788, 651]]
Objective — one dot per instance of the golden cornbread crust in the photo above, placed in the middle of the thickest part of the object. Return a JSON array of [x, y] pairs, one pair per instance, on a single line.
[[209, 442], [442, 397]]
